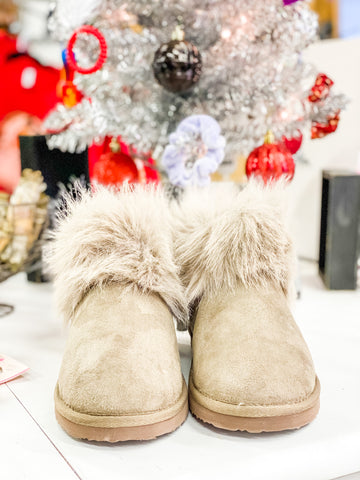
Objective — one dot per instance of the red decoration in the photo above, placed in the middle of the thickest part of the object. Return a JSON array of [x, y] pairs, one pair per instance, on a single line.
[[89, 29], [320, 130], [147, 172], [115, 168], [25, 84], [321, 89], [114, 165], [8, 46], [293, 144], [270, 161]]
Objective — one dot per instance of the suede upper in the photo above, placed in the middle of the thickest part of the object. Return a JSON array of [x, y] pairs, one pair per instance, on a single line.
[[121, 356], [247, 349]]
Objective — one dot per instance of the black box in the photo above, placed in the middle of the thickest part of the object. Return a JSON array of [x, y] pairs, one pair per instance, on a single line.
[[57, 167], [339, 235]]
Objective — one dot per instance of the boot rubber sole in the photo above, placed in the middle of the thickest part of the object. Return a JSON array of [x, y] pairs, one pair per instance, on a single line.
[[266, 419], [126, 427]]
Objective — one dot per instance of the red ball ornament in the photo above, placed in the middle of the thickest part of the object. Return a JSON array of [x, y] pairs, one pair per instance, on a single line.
[[115, 167], [293, 144], [270, 161]]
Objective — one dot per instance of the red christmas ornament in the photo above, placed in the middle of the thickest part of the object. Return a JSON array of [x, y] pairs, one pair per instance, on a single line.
[[115, 167], [320, 130], [146, 166], [293, 144], [270, 161], [321, 88]]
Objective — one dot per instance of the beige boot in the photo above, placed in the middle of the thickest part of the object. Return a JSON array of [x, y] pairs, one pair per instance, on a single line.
[[251, 367], [117, 286]]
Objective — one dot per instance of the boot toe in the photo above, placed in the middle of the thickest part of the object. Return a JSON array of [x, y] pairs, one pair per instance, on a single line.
[[121, 357], [249, 351]]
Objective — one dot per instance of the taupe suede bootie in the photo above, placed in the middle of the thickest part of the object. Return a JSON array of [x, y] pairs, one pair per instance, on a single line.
[[116, 284], [251, 368]]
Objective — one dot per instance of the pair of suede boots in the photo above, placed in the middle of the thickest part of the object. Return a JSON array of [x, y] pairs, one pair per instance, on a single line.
[[220, 262]]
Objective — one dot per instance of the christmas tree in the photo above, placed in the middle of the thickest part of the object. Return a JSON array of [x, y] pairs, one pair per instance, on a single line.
[[218, 73]]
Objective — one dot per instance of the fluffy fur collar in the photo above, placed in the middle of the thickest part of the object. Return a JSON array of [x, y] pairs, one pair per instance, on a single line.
[[223, 236], [122, 237]]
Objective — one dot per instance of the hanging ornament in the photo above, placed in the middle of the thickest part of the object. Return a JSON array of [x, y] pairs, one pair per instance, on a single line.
[[319, 92], [270, 161], [70, 94], [293, 144], [114, 166], [90, 30], [321, 89], [195, 151], [320, 130], [177, 64]]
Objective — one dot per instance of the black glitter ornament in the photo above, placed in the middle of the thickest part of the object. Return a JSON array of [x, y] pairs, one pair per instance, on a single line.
[[177, 65]]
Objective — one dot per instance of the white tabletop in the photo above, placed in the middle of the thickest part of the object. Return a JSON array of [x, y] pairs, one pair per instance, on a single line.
[[34, 447]]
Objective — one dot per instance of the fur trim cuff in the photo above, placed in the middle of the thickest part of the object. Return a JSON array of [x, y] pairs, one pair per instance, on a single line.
[[122, 237], [224, 236]]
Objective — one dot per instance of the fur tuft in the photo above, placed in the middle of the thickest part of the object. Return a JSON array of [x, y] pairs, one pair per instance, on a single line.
[[224, 236], [122, 237]]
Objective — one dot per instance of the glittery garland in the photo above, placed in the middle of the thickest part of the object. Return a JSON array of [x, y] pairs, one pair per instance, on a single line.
[[253, 78]]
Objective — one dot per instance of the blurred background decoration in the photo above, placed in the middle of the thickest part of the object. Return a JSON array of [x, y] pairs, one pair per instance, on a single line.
[[27, 47], [166, 77], [31, 83], [27, 85], [23, 218], [328, 11]]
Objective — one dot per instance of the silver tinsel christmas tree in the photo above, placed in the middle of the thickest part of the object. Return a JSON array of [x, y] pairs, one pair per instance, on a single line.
[[237, 61]]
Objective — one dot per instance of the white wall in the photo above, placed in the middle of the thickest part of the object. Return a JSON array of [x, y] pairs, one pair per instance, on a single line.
[[340, 59]]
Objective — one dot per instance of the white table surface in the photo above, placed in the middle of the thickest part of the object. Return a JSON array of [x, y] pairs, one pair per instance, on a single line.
[[34, 447]]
